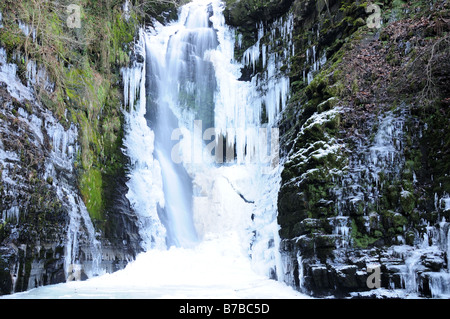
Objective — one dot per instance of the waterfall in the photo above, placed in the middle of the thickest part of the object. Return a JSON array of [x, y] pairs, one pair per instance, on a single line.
[[145, 180], [185, 110], [181, 85], [187, 98]]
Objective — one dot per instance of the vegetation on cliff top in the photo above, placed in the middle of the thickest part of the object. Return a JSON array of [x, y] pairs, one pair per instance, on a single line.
[[84, 65]]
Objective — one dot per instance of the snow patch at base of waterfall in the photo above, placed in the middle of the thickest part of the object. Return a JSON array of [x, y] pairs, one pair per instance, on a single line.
[[217, 268]]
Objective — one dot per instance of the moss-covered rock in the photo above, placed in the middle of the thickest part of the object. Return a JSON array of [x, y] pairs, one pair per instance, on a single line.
[[247, 13], [366, 77]]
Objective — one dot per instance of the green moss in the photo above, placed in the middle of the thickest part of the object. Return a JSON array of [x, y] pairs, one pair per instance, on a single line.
[[359, 22], [328, 105], [91, 190], [407, 201], [50, 180], [360, 239], [378, 234], [11, 37], [122, 34], [399, 221]]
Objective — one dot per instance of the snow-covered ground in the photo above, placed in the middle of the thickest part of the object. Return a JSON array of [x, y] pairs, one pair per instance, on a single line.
[[216, 268]]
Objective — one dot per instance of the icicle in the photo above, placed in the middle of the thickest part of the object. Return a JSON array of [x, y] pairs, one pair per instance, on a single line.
[[448, 249], [28, 30], [301, 278], [145, 185], [62, 157], [126, 9], [8, 75], [38, 76]]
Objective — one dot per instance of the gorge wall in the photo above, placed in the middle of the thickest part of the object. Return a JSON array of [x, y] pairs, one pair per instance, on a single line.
[[364, 143], [63, 209]]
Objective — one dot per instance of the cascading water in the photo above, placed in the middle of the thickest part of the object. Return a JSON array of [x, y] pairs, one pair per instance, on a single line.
[[179, 79], [191, 86]]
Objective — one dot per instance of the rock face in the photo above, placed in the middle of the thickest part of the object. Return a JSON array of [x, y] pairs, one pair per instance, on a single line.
[[63, 176], [42, 226], [362, 150], [33, 219], [356, 184], [248, 13]]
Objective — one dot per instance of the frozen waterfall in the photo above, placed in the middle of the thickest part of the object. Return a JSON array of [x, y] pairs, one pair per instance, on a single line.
[[190, 107]]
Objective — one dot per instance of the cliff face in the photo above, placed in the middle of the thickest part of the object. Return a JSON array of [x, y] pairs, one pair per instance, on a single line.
[[365, 145], [63, 204], [33, 218]]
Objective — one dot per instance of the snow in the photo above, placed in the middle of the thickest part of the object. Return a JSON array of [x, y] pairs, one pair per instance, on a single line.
[[214, 269], [315, 119], [445, 202], [382, 293]]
